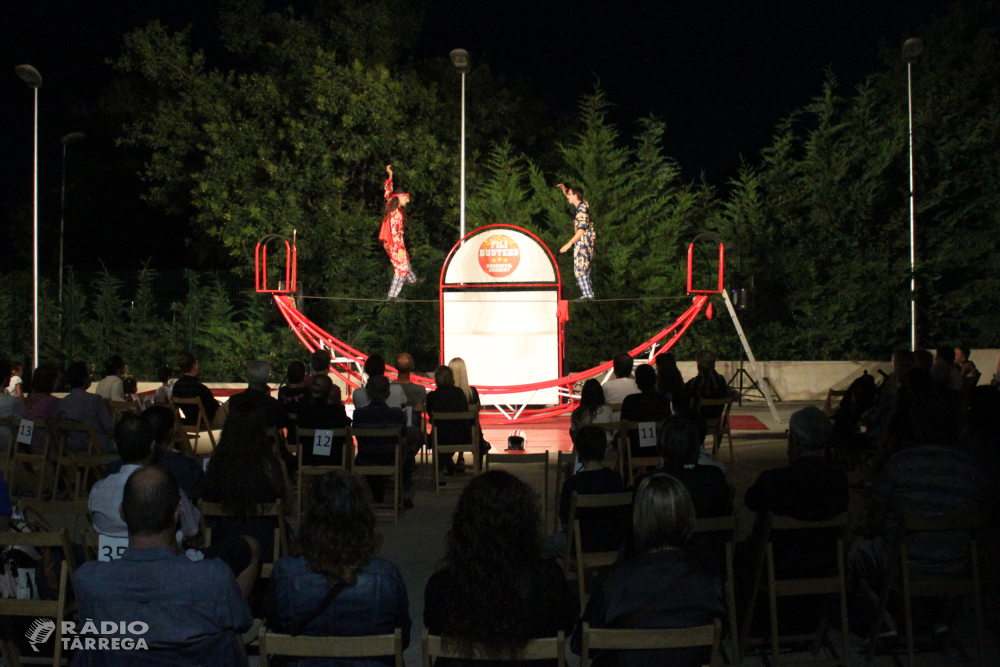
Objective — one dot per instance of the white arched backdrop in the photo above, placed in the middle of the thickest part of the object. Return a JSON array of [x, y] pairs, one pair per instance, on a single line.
[[500, 308]]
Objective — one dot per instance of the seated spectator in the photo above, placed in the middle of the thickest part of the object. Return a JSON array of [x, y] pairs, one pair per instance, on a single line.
[[670, 382], [13, 388], [294, 395], [382, 451], [244, 472], [808, 489], [967, 370], [923, 359], [445, 398], [189, 386], [375, 366], [461, 375], [258, 394], [10, 406], [600, 529], [934, 477], [496, 589], [944, 372], [591, 410], [6, 509], [622, 385], [188, 472], [319, 364], [111, 387], [707, 384], [878, 421], [662, 587], [81, 407], [324, 411], [193, 610], [41, 405], [646, 406], [416, 395], [336, 585], [679, 445], [163, 393]]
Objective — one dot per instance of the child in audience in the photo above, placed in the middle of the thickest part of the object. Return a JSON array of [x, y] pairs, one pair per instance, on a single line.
[[14, 388], [165, 390]]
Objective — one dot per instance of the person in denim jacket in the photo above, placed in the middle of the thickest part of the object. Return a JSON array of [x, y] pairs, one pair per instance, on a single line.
[[337, 551]]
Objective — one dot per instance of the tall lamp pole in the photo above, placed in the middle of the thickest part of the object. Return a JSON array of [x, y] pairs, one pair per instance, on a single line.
[[31, 77], [911, 49], [70, 138], [460, 58]]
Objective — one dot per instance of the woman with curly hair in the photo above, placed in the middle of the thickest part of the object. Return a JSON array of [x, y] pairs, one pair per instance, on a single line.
[[244, 472], [334, 584], [496, 590]]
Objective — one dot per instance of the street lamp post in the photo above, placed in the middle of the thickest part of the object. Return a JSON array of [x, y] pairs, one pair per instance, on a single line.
[[460, 58], [70, 138], [31, 77], [911, 49]]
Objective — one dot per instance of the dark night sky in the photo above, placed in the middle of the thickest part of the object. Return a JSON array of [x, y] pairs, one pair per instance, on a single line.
[[721, 74]]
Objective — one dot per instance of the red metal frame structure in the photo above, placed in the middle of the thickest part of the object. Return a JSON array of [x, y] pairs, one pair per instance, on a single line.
[[260, 265], [722, 264]]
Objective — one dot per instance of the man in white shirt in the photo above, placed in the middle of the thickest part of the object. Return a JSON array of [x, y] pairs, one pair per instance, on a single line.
[[111, 387], [623, 385], [375, 365], [135, 443]]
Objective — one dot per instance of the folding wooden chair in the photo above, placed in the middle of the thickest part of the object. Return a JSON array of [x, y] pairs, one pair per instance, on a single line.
[[731, 526], [719, 426], [38, 609], [438, 449], [189, 434], [777, 588], [526, 459], [632, 463], [943, 586], [393, 470], [273, 509], [565, 468], [119, 408], [310, 471], [7, 456], [549, 648], [40, 464], [79, 464], [371, 646], [646, 640], [588, 561], [70, 512]]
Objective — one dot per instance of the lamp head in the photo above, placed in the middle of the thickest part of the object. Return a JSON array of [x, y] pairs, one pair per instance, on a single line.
[[911, 49], [30, 75], [461, 60], [73, 137]]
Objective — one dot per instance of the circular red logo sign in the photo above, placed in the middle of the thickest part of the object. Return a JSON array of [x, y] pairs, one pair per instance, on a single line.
[[499, 255]]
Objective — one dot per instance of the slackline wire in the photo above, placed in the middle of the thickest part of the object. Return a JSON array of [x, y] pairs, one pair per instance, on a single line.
[[349, 298]]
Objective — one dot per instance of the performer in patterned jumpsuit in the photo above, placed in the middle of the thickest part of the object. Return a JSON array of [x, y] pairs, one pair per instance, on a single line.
[[582, 241], [391, 236]]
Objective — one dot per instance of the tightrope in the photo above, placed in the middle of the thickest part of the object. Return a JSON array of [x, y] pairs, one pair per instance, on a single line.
[[351, 298]]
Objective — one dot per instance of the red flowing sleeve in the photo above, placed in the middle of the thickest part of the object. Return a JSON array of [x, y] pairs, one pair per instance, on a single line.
[[388, 188]]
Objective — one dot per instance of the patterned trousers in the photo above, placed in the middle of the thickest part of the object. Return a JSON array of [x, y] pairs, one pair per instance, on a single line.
[[397, 282], [583, 280]]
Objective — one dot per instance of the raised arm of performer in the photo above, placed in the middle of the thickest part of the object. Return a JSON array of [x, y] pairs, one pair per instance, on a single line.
[[583, 239], [391, 236]]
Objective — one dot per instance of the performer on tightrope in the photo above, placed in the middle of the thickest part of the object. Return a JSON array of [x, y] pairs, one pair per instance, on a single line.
[[582, 241], [391, 236]]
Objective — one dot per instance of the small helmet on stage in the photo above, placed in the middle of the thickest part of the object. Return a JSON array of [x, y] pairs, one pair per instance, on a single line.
[[516, 440]]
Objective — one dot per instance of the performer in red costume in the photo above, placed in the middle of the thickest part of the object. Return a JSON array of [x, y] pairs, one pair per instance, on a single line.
[[391, 236]]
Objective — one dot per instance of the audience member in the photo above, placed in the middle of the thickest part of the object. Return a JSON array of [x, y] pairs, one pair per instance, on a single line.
[[319, 364], [591, 410], [41, 406], [81, 407], [111, 388], [137, 448], [446, 397], [679, 444], [13, 388], [967, 370], [324, 411], [878, 421], [189, 386], [933, 477], [944, 372], [707, 384], [600, 529], [416, 395], [244, 473], [6, 509], [10, 406], [164, 392], [382, 451], [622, 385], [670, 382], [336, 585], [375, 366], [496, 589], [294, 395], [661, 587], [461, 375], [193, 611], [258, 394], [923, 359], [646, 406]]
